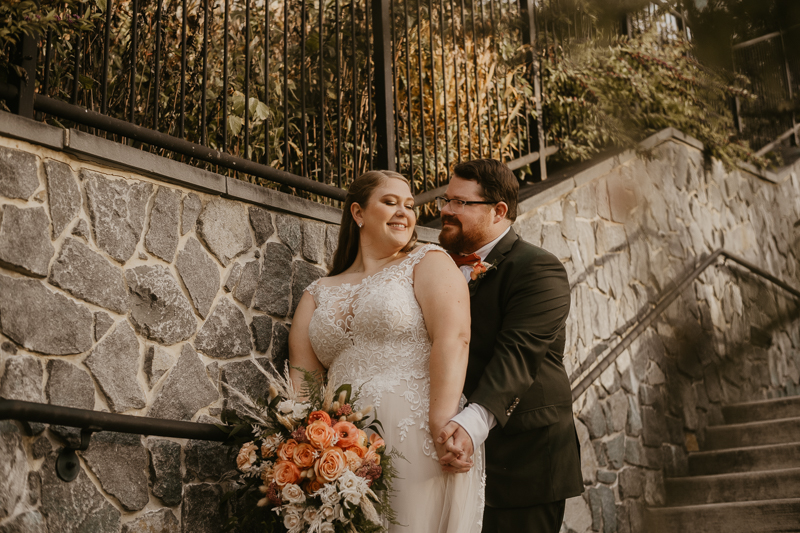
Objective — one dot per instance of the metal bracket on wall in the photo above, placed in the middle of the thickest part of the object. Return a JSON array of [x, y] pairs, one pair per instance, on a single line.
[[67, 464]]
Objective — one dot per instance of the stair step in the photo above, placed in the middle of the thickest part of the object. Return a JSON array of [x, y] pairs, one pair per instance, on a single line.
[[750, 459], [769, 516], [753, 434], [739, 487], [762, 410]]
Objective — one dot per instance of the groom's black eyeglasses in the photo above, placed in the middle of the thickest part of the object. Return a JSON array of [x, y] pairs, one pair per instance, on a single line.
[[456, 206]]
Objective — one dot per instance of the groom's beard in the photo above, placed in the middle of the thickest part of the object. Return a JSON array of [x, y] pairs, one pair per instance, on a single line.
[[458, 240]]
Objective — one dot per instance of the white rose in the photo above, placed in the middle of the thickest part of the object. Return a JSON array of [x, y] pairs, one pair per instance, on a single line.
[[327, 512], [293, 494], [312, 518], [352, 487], [326, 527], [286, 406], [299, 410], [292, 517], [338, 512]]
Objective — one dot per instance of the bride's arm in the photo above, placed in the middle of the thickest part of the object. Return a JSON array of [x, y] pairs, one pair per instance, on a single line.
[[443, 296], [301, 354]]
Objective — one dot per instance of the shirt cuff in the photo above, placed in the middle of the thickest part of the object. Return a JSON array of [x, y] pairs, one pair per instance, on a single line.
[[477, 421]]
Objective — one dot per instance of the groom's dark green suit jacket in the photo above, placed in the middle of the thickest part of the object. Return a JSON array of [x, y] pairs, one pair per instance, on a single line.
[[519, 310]]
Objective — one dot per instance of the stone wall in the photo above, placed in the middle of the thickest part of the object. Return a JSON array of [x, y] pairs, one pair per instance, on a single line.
[[626, 229], [125, 294]]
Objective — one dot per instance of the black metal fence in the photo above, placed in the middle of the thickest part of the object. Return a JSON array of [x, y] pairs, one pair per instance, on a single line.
[[310, 93], [774, 75]]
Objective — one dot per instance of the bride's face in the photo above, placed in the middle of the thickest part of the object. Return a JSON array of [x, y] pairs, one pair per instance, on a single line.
[[388, 218]]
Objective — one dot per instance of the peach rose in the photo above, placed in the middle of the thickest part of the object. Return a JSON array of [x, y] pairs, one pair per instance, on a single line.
[[267, 471], [330, 465], [372, 456], [363, 440], [348, 434], [357, 449], [319, 415], [354, 460], [246, 457], [313, 486], [320, 434], [286, 472], [286, 450], [304, 455], [376, 442]]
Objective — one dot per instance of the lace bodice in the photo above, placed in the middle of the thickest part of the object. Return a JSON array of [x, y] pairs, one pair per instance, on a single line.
[[372, 335]]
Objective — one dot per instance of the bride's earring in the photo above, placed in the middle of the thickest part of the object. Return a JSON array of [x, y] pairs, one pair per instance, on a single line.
[[360, 224]]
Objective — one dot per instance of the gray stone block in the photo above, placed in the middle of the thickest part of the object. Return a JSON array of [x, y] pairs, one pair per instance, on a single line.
[[22, 379], [156, 363], [592, 415], [119, 460], [207, 460], [261, 221], [89, 276], [159, 309], [290, 232], [82, 230], [114, 362], [225, 334], [162, 234], [331, 243], [102, 323], [246, 379], [604, 476], [41, 447], [25, 522], [13, 468], [68, 386], [224, 227], [19, 174], [200, 510], [618, 407], [554, 242], [569, 228], [233, 277], [633, 425], [75, 507], [160, 521], [303, 274], [199, 274], [118, 210], [262, 332], [165, 470], [280, 344], [186, 389], [313, 240], [25, 240], [191, 210], [615, 451], [634, 454], [604, 515], [654, 430], [272, 295], [248, 283], [63, 195]]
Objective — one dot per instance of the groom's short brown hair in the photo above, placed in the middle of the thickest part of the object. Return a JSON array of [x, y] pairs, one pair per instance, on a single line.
[[498, 182]]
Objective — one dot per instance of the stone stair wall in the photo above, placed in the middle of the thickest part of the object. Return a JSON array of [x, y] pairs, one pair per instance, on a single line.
[[124, 293], [625, 229]]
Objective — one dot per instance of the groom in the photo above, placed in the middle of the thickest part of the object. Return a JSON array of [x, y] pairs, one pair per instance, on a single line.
[[520, 401]]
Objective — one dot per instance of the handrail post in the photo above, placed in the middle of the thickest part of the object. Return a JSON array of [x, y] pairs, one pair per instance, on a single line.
[[27, 52], [536, 131], [385, 158]]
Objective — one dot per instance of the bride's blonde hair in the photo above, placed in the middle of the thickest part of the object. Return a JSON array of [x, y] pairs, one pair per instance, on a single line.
[[360, 192]]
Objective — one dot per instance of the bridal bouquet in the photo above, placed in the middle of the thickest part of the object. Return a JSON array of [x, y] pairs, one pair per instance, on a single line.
[[314, 465]]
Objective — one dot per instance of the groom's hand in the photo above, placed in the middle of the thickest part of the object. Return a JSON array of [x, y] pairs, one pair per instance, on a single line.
[[458, 447]]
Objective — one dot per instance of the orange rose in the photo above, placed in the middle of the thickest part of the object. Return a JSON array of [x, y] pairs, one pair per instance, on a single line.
[[348, 434], [376, 442], [320, 434], [247, 456], [304, 455], [286, 472], [330, 465], [286, 450], [319, 415], [357, 449], [313, 486]]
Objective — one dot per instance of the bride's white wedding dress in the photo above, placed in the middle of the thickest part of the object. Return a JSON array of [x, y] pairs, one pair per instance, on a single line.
[[372, 335]]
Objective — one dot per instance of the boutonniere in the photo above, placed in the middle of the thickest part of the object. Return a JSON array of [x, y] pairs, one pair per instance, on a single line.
[[480, 269]]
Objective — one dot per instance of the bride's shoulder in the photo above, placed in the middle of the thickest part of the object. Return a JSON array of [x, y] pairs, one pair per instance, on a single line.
[[431, 256]]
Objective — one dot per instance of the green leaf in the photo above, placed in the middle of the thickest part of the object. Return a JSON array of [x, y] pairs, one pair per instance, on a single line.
[[235, 124]]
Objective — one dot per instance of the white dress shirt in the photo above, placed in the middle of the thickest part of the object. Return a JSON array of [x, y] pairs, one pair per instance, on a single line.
[[475, 418]]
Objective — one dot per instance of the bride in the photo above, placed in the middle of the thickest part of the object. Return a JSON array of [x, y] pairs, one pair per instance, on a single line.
[[394, 320]]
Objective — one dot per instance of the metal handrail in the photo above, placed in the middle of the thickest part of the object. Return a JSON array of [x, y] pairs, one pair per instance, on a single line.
[[662, 305], [100, 421]]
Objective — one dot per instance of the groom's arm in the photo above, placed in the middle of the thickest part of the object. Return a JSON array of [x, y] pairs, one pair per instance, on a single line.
[[536, 307]]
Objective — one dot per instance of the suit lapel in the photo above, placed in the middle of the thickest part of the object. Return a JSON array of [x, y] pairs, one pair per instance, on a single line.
[[495, 257]]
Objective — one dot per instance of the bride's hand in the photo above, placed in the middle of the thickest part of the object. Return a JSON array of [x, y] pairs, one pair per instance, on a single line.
[[454, 448]]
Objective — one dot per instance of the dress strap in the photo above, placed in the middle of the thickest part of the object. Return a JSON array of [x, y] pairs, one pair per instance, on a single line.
[[417, 254]]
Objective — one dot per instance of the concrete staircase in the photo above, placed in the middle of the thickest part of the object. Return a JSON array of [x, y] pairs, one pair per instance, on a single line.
[[747, 479]]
